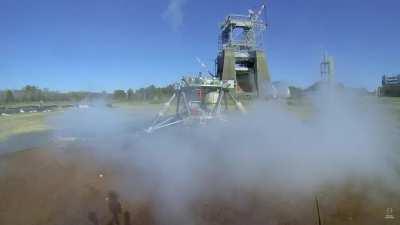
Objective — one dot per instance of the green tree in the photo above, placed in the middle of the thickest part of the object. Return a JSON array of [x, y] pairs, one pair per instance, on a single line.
[[9, 96], [119, 95], [130, 94], [32, 93]]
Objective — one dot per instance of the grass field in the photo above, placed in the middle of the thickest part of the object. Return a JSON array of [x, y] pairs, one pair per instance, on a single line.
[[36, 122], [20, 104], [22, 124]]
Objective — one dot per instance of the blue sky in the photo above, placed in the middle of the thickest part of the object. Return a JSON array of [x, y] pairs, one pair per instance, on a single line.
[[109, 44]]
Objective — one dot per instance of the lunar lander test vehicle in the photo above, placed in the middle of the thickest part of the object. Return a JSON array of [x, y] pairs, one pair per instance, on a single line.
[[241, 70]]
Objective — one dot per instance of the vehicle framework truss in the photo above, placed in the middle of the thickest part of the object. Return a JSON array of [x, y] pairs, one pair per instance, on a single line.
[[196, 100]]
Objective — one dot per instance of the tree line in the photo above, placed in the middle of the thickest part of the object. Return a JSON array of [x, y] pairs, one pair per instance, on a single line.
[[31, 93], [147, 94]]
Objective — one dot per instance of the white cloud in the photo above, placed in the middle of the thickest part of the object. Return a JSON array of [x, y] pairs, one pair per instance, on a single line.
[[174, 13]]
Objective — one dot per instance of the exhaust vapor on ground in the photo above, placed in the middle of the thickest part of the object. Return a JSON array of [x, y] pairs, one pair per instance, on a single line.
[[269, 159]]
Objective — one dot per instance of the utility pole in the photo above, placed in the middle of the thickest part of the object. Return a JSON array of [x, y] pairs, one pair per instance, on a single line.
[[327, 68], [318, 211]]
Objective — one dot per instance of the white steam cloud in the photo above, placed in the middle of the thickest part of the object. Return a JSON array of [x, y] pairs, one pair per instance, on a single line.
[[270, 150], [174, 14]]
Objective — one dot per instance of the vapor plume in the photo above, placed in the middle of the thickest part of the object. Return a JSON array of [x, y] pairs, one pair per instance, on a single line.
[[270, 152], [174, 13]]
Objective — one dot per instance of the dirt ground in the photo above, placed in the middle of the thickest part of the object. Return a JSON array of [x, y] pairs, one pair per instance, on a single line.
[[48, 187], [41, 187]]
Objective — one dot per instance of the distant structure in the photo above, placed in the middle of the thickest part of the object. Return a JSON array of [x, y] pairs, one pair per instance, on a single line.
[[390, 86], [391, 80], [240, 56], [327, 68], [327, 72]]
